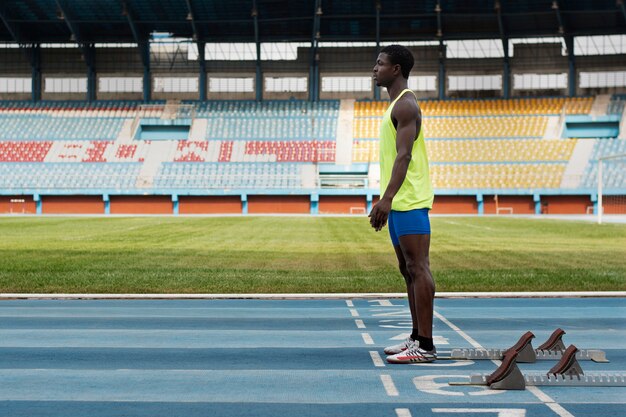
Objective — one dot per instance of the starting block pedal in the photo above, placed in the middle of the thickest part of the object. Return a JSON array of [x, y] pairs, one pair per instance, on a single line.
[[552, 349], [567, 372]]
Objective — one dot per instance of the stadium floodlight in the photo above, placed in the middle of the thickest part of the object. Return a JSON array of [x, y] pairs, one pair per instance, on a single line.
[[614, 179]]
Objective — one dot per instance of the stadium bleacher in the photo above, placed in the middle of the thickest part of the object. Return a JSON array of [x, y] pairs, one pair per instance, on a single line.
[[493, 107], [613, 173], [477, 144], [68, 176], [228, 175]]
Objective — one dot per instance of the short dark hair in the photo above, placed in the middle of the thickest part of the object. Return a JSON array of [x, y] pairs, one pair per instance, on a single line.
[[400, 55]]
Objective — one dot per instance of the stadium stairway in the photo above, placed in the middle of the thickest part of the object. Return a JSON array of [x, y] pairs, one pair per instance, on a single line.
[[573, 174], [345, 132], [554, 128], [126, 132], [198, 130], [600, 105], [159, 152]]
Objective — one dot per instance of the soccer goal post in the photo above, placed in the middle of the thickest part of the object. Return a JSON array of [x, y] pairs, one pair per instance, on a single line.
[[611, 185]]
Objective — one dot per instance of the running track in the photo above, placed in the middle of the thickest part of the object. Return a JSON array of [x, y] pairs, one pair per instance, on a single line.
[[262, 358]]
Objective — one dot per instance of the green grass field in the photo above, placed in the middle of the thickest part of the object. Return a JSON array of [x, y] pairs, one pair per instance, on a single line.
[[300, 254]]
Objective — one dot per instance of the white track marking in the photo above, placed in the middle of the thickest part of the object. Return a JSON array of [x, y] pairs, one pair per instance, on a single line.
[[459, 331], [378, 361], [354, 312], [349, 303], [359, 324], [390, 387], [544, 398], [502, 412], [403, 412], [314, 296], [367, 338], [382, 303], [547, 400]]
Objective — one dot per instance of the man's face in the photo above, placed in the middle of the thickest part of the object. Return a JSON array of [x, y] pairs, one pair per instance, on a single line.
[[384, 70]]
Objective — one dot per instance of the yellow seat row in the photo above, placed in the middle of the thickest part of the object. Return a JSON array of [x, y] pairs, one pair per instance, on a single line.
[[522, 106], [476, 150], [464, 127], [497, 175]]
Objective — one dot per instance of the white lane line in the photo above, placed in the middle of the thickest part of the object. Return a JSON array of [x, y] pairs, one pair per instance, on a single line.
[[378, 361], [354, 312], [359, 324], [367, 338], [459, 331], [403, 412], [349, 303], [390, 387], [500, 412], [544, 398], [310, 296], [547, 400], [382, 303]]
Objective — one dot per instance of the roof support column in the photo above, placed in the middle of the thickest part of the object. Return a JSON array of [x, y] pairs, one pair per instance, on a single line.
[[202, 76], [191, 16], [90, 58], [35, 64], [143, 44], [314, 61], [378, 7], [442, 54], [569, 44], [144, 50], [571, 59], [506, 71], [259, 73], [442, 70]]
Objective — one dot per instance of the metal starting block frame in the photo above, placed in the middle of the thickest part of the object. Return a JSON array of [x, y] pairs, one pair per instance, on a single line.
[[552, 350], [567, 372]]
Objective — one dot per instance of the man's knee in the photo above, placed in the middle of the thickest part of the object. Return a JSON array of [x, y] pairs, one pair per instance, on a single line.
[[405, 272], [418, 269]]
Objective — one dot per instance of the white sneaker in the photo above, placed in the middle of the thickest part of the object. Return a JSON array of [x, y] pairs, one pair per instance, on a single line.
[[401, 347], [414, 354]]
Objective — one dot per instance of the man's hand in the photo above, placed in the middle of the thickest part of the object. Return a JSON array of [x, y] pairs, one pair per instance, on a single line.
[[379, 214]]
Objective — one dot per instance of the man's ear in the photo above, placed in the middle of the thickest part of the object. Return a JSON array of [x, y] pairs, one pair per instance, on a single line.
[[397, 68]]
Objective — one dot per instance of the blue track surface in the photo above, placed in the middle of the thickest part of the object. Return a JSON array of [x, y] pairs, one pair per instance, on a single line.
[[287, 358]]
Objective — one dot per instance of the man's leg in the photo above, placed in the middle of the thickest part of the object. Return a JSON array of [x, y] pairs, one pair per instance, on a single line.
[[409, 287], [415, 249]]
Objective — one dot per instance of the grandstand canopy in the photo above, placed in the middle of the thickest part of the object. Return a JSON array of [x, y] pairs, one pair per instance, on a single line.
[[102, 21]]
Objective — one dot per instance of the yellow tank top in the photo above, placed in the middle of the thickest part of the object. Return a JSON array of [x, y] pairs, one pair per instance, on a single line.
[[416, 191]]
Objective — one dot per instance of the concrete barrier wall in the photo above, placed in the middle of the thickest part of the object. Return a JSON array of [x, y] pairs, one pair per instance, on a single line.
[[17, 207], [296, 204], [209, 205], [79, 204], [149, 204], [339, 204]]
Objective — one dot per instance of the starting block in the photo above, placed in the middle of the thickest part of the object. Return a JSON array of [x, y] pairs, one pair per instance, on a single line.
[[567, 372], [552, 349]]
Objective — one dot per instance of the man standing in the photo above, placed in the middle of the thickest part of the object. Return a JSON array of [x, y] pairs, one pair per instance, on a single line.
[[406, 197]]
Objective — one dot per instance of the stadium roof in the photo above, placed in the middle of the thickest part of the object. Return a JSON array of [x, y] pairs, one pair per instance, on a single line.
[[101, 21]]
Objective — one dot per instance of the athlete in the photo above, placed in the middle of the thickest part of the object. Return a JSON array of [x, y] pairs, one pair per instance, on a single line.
[[406, 197]]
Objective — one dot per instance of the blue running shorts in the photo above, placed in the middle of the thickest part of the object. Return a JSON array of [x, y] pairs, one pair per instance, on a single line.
[[412, 222]]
